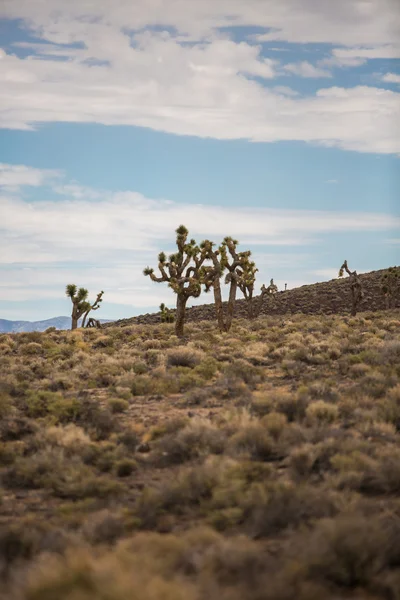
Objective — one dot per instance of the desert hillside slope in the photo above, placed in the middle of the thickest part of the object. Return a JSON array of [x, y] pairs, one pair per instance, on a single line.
[[330, 297], [262, 464]]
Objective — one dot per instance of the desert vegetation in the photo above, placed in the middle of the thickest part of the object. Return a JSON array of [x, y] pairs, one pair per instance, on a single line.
[[255, 464]]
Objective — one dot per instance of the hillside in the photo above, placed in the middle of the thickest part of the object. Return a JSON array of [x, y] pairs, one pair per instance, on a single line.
[[263, 464], [331, 297]]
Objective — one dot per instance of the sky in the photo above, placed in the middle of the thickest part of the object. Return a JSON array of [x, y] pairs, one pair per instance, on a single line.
[[274, 121]]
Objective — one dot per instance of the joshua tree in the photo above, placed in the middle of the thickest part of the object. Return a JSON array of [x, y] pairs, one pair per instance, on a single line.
[[80, 304], [266, 292], [182, 272], [241, 273], [166, 314], [355, 286], [270, 290], [390, 285], [247, 277]]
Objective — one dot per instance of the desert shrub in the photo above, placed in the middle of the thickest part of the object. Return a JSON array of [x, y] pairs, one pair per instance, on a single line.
[[153, 357], [143, 385], [125, 467], [293, 407], [19, 543], [97, 421], [183, 357], [103, 341], [52, 404], [66, 477], [118, 405], [103, 527], [31, 349], [381, 476], [227, 388], [199, 437], [241, 369], [321, 412], [391, 352], [207, 368], [389, 407], [275, 424], [129, 438], [191, 487], [253, 440], [273, 507], [6, 404], [347, 551], [262, 404], [69, 437], [196, 397], [140, 368]]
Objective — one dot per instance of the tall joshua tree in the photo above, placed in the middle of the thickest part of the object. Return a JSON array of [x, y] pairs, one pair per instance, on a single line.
[[182, 273], [355, 286], [239, 274], [80, 304], [247, 278], [390, 285]]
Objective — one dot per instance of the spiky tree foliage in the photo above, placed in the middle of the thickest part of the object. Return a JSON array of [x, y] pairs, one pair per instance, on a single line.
[[390, 285], [182, 273], [239, 273], [166, 315], [355, 286], [80, 304]]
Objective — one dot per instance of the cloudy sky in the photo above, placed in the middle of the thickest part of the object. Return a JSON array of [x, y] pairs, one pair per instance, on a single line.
[[275, 121]]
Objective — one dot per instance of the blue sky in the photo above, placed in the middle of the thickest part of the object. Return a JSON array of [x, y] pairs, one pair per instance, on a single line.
[[275, 122]]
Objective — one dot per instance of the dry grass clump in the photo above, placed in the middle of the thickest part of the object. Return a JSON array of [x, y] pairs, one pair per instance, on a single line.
[[183, 357], [259, 465]]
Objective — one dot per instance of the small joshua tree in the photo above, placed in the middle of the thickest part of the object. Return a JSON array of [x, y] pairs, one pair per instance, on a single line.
[[182, 273], [80, 304], [166, 315], [240, 273], [270, 290], [266, 292], [390, 285], [355, 286]]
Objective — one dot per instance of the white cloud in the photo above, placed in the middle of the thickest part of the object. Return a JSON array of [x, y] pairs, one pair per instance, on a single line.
[[12, 177], [196, 81], [332, 181], [391, 78], [368, 52], [200, 91], [306, 69], [342, 22]]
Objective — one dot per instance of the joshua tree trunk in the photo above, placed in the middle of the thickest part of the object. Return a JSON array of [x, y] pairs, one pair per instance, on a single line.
[[231, 303], [74, 317], [218, 305], [85, 317], [250, 307], [180, 314]]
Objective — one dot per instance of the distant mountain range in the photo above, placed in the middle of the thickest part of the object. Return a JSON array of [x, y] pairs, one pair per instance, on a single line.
[[21, 326]]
